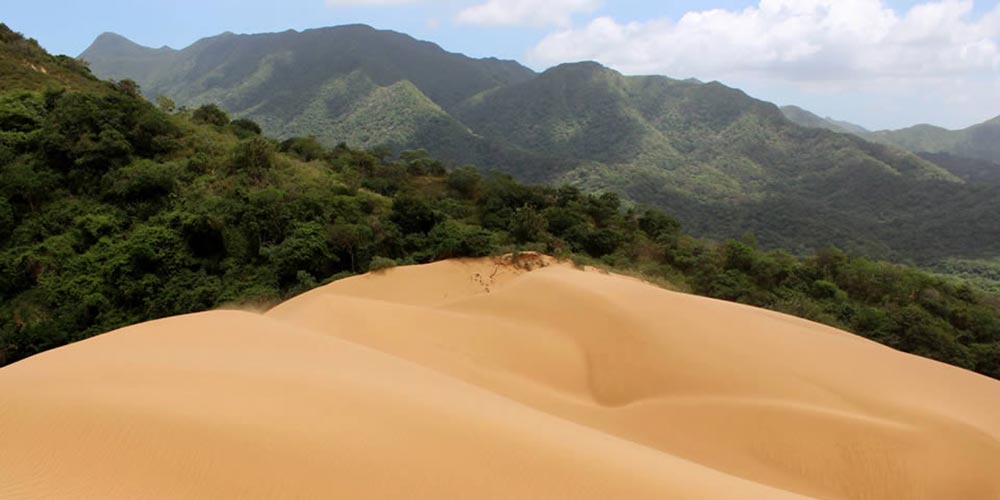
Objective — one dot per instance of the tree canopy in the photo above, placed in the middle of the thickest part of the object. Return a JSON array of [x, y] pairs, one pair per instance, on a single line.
[[114, 211]]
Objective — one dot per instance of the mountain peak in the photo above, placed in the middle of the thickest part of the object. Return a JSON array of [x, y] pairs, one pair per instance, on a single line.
[[580, 66], [110, 36], [110, 39], [109, 43], [582, 69]]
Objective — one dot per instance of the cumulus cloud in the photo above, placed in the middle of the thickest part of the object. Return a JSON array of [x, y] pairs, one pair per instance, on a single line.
[[824, 42], [526, 12]]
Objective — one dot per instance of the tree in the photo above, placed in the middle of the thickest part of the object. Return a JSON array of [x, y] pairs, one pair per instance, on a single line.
[[128, 87], [381, 152], [659, 226], [255, 156], [527, 225], [305, 148], [165, 103], [419, 162], [466, 182], [20, 112], [211, 114], [452, 239], [6, 218], [602, 242], [27, 182], [412, 215], [305, 249], [245, 128], [739, 256], [353, 240]]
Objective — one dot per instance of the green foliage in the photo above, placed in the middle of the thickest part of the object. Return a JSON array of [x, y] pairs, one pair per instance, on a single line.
[[658, 225], [381, 264], [114, 212], [245, 128], [979, 142], [528, 225], [166, 104], [304, 148], [451, 239], [6, 218], [465, 182], [305, 249], [254, 157], [413, 215], [24, 65], [210, 114], [720, 162]]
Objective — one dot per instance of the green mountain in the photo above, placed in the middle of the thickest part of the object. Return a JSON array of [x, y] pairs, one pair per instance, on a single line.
[[279, 75], [722, 162], [972, 154], [806, 118], [968, 169], [978, 142], [25, 65], [114, 211], [350, 84]]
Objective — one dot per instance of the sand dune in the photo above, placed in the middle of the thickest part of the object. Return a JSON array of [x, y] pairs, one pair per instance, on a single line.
[[493, 379]]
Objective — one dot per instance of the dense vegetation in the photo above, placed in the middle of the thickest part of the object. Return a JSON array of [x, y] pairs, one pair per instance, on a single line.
[[809, 119], [25, 65], [968, 169], [718, 160], [978, 142], [972, 154], [114, 211]]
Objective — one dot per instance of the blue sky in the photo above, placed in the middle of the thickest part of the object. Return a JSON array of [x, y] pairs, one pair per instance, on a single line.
[[879, 63]]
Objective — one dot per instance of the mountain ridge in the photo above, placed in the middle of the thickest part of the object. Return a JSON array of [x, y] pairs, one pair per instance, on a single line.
[[25, 65], [714, 156], [977, 142], [114, 211]]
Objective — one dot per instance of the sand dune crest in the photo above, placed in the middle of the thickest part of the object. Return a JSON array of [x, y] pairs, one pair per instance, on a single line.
[[494, 378]]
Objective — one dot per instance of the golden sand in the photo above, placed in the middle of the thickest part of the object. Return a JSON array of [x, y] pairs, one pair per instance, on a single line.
[[493, 379]]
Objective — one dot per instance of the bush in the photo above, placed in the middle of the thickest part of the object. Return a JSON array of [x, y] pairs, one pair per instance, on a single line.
[[305, 249], [210, 114], [141, 181], [304, 148], [254, 156], [602, 242], [245, 128], [6, 218], [528, 225], [381, 264], [452, 239], [413, 215]]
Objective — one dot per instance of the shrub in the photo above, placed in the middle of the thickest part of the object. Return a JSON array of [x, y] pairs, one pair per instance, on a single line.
[[381, 264], [245, 128], [211, 114], [254, 156]]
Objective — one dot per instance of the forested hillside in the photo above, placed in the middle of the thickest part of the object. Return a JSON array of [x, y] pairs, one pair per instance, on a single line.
[[720, 161], [25, 65], [809, 119], [115, 211], [968, 169], [978, 142], [972, 154]]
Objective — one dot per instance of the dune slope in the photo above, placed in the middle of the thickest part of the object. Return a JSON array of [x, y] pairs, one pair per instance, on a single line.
[[494, 378]]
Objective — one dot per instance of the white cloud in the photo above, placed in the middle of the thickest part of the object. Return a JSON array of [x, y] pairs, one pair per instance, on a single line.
[[527, 12], [817, 42]]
